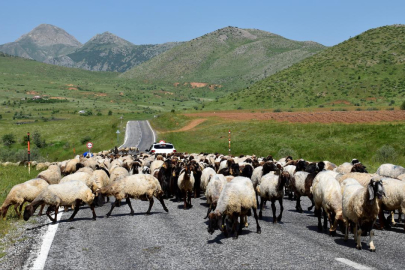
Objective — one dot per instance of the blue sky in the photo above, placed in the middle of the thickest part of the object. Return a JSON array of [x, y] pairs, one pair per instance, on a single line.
[[328, 22]]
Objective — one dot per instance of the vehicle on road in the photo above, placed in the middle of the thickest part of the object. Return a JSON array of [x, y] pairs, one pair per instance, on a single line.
[[161, 147]]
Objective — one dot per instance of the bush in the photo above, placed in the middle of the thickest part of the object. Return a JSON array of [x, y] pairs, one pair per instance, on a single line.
[[8, 139], [86, 139], [109, 112], [402, 107], [285, 152], [277, 110], [36, 139], [20, 155], [386, 154]]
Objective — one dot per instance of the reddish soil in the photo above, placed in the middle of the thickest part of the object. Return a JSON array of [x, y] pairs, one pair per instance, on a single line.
[[311, 117], [191, 125]]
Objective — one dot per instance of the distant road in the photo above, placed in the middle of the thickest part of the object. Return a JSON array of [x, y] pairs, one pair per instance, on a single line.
[[138, 134]]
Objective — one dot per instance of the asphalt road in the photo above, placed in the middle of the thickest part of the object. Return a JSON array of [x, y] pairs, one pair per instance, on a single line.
[[179, 240], [138, 134]]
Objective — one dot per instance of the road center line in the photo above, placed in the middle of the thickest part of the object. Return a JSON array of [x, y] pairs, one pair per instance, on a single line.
[[47, 240], [353, 264]]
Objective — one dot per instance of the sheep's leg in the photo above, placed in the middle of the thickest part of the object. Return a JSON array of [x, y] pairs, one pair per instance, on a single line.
[[326, 216], [392, 217], [257, 199], [185, 199], [21, 206], [130, 206], [372, 247], [16, 210], [318, 213], [41, 209], [241, 221], [333, 224], [162, 202], [209, 210], [112, 207], [382, 219], [346, 230], [358, 240], [48, 212], [92, 210], [77, 206], [261, 208], [273, 208], [234, 230], [259, 230], [150, 205], [4, 210], [281, 209], [189, 198], [298, 204]]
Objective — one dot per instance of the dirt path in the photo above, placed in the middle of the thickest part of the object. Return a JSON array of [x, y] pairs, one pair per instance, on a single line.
[[310, 117], [190, 125]]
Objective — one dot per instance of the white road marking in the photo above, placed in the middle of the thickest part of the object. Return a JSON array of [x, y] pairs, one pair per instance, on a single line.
[[154, 137], [353, 264], [126, 135], [46, 245]]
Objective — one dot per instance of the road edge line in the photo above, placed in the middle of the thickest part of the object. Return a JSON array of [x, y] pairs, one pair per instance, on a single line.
[[353, 264], [154, 136]]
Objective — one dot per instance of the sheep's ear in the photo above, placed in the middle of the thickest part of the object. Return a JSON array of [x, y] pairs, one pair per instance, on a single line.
[[370, 188]]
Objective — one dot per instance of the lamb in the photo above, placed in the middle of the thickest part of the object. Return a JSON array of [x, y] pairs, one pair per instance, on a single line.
[[390, 170], [271, 188], [327, 195], [206, 175], [360, 207], [65, 194], [214, 189], [185, 183], [137, 186], [52, 175], [21, 193], [236, 200]]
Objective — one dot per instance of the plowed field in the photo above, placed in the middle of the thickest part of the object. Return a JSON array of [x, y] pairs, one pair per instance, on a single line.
[[311, 117]]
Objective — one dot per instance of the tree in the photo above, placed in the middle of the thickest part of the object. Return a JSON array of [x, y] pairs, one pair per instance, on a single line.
[[403, 106], [8, 139]]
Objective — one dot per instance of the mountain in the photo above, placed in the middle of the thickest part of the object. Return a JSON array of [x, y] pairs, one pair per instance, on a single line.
[[366, 70], [104, 52], [108, 52], [229, 56], [43, 42]]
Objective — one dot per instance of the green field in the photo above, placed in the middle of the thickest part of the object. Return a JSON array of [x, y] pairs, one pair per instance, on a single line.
[[337, 143]]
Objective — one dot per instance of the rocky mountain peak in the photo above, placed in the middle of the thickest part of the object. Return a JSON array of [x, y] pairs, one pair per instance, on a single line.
[[109, 38]]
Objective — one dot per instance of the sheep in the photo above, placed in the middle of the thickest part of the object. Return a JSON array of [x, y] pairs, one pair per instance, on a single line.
[[21, 193], [271, 188], [301, 183], [156, 165], [327, 195], [390, 170], [117, 173], [360, 207], [394, 199], [206, 175], [73, 165], [236, 200], [65, 194], [52, 175], [101, 178], [362, 178], [137, 186], [82, 177], [354, 166], [329, 166], [185, 183], [213, 191]]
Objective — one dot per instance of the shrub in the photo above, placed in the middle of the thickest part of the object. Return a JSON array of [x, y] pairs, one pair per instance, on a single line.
[[20, 155], [86, 139], [8, 139], [284, 152], [277, 110], [385, 154], [402, 107], [109, 112], [36, 139]]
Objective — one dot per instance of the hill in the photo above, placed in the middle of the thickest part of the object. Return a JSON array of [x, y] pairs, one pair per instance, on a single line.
[[43, 42], [104, 52], [230, 56], [366, 70]]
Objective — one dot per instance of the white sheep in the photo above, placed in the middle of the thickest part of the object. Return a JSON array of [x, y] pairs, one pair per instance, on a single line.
[[21, 193], [390, 170], [395, 198], [360, 207], [206, 175], [271, 188], [117, 173], [327, 195], [138, 186], [237, 199], [214, 189], [52, 175], [66, 194]]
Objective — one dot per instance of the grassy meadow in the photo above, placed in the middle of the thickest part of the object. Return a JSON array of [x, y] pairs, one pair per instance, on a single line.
[[337, 143]]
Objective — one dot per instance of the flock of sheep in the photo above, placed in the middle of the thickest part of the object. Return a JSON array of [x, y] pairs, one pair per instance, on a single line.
[[346, 195]]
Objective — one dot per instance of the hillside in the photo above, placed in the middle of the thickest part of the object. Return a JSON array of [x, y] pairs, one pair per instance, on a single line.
[[104, 52], [230, 56], [366, 70]]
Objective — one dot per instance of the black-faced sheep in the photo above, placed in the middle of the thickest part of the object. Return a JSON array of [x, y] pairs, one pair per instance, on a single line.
[[66, 194], [21, 193], [360, 207], [237, 199]]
